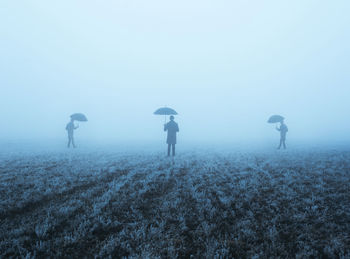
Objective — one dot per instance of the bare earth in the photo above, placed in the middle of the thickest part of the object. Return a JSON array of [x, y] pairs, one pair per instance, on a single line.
[[109, 204]]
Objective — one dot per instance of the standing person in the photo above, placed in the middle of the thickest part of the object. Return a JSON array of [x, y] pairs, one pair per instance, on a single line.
[[172, 129], [70, 129], [283, 129]]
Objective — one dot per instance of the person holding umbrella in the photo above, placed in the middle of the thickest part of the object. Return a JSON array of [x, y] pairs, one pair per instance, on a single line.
[[71, 127], [70, 130], [172, 128], [283, 129]]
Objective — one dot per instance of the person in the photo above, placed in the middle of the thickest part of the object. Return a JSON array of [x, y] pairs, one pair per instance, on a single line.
[[283, 129], [172, 127], [70, 129]]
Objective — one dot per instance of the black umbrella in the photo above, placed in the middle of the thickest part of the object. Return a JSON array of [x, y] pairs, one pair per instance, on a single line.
[[78, 117], [165, 111], [275, 119]]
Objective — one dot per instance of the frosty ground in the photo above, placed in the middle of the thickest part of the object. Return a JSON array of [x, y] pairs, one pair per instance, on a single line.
[[204, 204]]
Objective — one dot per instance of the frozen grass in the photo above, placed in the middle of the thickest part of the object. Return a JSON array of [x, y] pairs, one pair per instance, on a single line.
[[206, 205]]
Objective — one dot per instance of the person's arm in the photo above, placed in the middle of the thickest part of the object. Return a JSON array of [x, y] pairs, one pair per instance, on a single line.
[[165, 127], [177, 128], [279, 129], [76, 127]]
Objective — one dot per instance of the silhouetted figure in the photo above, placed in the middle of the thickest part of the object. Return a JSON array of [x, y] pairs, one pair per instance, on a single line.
[[172, 129], [70, 129], [283, 129]]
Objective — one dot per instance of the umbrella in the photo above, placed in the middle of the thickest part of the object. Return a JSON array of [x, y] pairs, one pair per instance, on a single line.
[[165, 111], [78, 117], [275, 119]]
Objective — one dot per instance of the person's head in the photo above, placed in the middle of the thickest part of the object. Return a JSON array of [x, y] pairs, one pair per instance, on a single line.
[[71, 120], [172, 117], [282, 122]]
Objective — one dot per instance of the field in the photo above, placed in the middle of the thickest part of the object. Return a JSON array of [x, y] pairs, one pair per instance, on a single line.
[[288, 204]]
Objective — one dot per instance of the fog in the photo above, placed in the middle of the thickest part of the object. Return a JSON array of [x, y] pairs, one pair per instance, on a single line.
[[224, 66]]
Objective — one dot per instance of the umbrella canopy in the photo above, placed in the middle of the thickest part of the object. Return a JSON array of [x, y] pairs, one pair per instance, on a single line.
[[165, 111], [78, 117], [276, 119]]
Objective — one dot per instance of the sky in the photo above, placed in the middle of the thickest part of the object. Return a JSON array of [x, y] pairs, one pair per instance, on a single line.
[[224, 66]]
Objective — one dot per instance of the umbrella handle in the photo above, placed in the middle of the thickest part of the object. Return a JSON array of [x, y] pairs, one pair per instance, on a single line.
[[165, 116]]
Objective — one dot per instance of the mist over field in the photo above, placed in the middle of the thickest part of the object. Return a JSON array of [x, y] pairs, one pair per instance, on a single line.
[[225, 67]]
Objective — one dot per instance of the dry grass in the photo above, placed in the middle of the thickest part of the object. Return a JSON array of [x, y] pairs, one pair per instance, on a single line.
[[242, 205]]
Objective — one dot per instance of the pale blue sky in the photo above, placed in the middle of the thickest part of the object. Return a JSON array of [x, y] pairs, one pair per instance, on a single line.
[[225, 66]]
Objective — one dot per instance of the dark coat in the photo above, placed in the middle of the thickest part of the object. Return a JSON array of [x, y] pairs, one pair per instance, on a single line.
[[283, 129], [172, 129], [70, 128]]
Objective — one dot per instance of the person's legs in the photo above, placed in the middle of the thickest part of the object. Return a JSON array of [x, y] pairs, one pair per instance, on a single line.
[[169, 149], [284, 143], [173, 149], [69, 140], [279, 147], [73, 142]]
